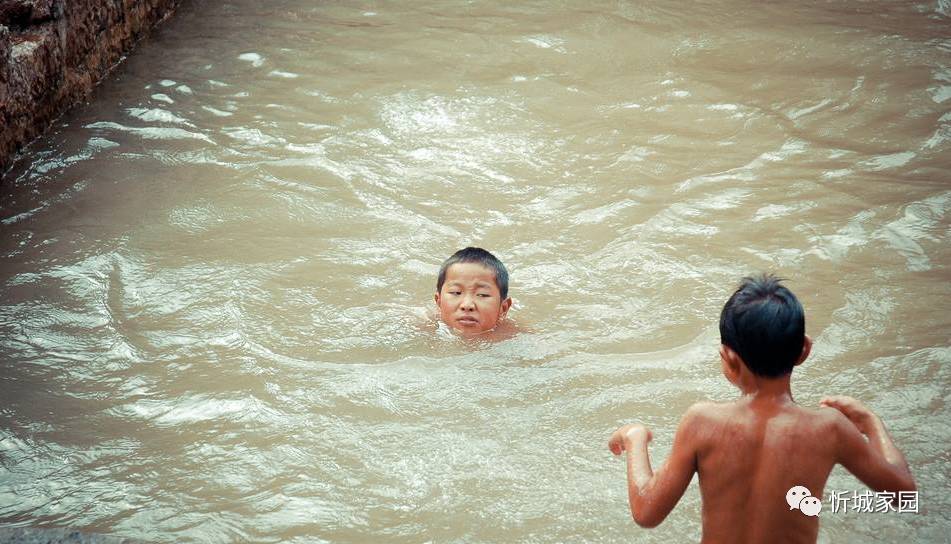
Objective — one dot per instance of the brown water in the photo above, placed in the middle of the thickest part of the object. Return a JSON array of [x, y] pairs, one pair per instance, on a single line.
[[211, 273]]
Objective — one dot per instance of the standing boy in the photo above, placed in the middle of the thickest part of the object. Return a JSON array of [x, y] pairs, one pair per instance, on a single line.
[[750, 452]]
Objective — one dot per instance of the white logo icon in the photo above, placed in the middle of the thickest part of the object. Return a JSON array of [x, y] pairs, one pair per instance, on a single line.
[[799, 498], [810, 506], [795, 495]]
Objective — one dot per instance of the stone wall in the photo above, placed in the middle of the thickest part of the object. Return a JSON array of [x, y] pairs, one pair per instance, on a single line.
[[53, 52], [56, 536]]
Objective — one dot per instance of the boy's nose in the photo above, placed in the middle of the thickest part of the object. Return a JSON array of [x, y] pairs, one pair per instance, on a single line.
[[468, 302]]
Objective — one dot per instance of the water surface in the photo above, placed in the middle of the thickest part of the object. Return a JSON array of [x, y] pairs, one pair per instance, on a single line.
[[211, 273]]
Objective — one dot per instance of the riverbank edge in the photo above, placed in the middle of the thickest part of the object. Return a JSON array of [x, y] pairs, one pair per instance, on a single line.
[[26, 535], [54, 52]]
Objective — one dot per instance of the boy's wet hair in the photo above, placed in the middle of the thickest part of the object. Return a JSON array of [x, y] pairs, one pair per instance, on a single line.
[[481, 256], [764, 323]]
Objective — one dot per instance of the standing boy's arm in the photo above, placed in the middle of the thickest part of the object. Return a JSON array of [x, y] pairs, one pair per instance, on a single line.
[[876, 461], [652, 495]]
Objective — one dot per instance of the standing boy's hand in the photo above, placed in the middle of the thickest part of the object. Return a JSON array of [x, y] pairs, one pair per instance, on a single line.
[[628, 433], [859, 414]]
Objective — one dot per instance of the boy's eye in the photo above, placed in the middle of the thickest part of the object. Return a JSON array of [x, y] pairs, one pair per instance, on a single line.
[[484, 295]]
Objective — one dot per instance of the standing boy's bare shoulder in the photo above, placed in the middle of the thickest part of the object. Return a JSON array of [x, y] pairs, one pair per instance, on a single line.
[[827, 418], [864, 447], [708, 412], [701, 421], [707, 409]]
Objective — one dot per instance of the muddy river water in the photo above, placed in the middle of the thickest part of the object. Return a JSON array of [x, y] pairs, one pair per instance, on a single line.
[[213, 273]]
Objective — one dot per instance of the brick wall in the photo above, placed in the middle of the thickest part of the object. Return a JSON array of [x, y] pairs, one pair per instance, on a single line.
[[52, 54]]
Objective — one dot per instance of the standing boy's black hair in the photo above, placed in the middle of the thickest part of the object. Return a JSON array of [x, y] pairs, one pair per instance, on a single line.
[[765, 325], [481, 256]]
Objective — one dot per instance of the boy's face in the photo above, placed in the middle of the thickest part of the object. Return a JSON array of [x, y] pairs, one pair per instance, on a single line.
[[469, 300]]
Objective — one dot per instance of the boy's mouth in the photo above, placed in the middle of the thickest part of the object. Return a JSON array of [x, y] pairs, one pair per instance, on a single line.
[[467, 320]]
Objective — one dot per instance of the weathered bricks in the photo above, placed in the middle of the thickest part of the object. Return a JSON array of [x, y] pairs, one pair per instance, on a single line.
[[52, 54]]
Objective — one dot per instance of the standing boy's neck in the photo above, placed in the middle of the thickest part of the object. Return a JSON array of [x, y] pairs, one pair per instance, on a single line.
[[766, 389], [755, 386]]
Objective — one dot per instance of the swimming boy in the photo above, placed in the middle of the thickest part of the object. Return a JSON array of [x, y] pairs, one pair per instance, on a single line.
[[472, 291], [752, 451]]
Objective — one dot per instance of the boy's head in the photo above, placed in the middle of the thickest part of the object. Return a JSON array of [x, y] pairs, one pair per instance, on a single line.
[[472, 290], [765, 325]]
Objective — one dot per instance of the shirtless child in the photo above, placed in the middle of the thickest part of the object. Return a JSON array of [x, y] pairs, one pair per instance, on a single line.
[[472, 291], [751, 451]]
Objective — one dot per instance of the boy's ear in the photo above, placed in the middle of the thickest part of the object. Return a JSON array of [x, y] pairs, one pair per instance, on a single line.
[[436, 297], [806, 349], [504, 309], [730, 363]]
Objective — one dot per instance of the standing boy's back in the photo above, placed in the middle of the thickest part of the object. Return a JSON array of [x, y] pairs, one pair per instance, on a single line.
[[749, 453]]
